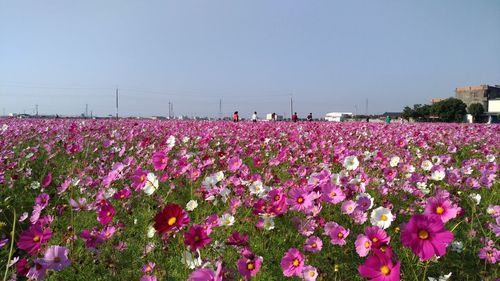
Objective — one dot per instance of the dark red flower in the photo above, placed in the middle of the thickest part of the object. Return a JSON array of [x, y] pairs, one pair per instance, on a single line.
[[172, 216]]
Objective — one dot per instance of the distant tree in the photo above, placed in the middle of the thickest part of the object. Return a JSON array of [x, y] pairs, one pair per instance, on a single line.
[[476, 110], [408, 113], [449, 110]]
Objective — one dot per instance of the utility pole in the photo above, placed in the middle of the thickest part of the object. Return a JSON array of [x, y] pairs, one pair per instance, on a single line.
[[172, 109], [366, 107], [91, 114], [86, 110], [36, 108], [356, 108], [220, 109], [169, 113], [116, 103], [291, 106]]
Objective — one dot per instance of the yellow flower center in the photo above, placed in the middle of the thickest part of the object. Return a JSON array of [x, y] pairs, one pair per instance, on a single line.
[[374, 239], [142, 178], [332, 194], [439, 210], [383, 218], [314, 245], [108, 214], [57, 259], [367, 244], [423, 234], [385, 270], [36, 238], [276, 198], [295, 262], [171, 221], [340, 235], [300, 200], [196, 238], [250, 266], [312, 273]]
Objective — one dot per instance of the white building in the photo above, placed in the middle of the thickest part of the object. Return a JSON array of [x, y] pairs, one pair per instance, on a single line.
[[338, 116], [494, 106]]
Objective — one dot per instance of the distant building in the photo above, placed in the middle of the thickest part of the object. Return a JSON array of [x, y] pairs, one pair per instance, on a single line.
[[436, 100], [494, 106], [478, 94], [393, 114], [338, 116]]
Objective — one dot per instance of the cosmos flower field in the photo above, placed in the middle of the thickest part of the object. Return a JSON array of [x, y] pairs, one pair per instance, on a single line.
[[209, 200]]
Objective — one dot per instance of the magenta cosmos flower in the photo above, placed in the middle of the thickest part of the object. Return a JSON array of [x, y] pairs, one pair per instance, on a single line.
[[56, 258], [159, 160], [299, 199], [426, 236], [234, 164], [332, 193], [313, 244], [249, 264], [32, 239], [170, 218], [106, 214], [292, 263], [441, 207], [196, 238], [337, 233], [380, 267], [363, 245]]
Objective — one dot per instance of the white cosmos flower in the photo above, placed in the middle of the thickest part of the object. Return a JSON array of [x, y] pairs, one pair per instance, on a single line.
[[440, 278], [219, 176], [151, 231], [381, 217], [191, 205], [351, 163], [436, 160], [426, 165], [476, 197], [171, 141], [257, 188], [490, 158], [185, 139], [109, 193], [268, 223], [35, 185], [192, 262], [394, 161], [423, 187], [227, 220], [438, 175], [457, 246], [225, 193], [151, 184]]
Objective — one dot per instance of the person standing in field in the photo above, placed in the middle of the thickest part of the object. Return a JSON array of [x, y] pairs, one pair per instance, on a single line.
[[236, 118], [254, 116], [388, 119], [310, 117], [295, 118]]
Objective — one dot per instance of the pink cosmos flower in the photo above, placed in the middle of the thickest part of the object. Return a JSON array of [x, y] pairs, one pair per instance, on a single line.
[[348, 207], [338, 234], [32, 239], [122, 194], [106, 213], [309, 273], [441, 207], [490, 254], [299, 199], [332, 193], [46, 180], [139, 179], [363, 245], [426, 236], [159, 160], [234, 164], [42, 200], [249, 265], [237, 239], [37, 272], [377, 236], [196, 237], [56, 258], [205, 274], [380, 267], [92, 238], [313, 244], [292, 263]]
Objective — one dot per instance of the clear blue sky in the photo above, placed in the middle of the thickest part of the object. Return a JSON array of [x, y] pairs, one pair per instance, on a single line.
[[331, 55]]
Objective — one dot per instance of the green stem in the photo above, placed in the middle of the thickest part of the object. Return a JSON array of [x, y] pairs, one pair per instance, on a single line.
[[11, 246], [425, 270]]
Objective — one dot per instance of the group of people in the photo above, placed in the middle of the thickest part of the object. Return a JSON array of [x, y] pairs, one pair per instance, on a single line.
[[274, 117]]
